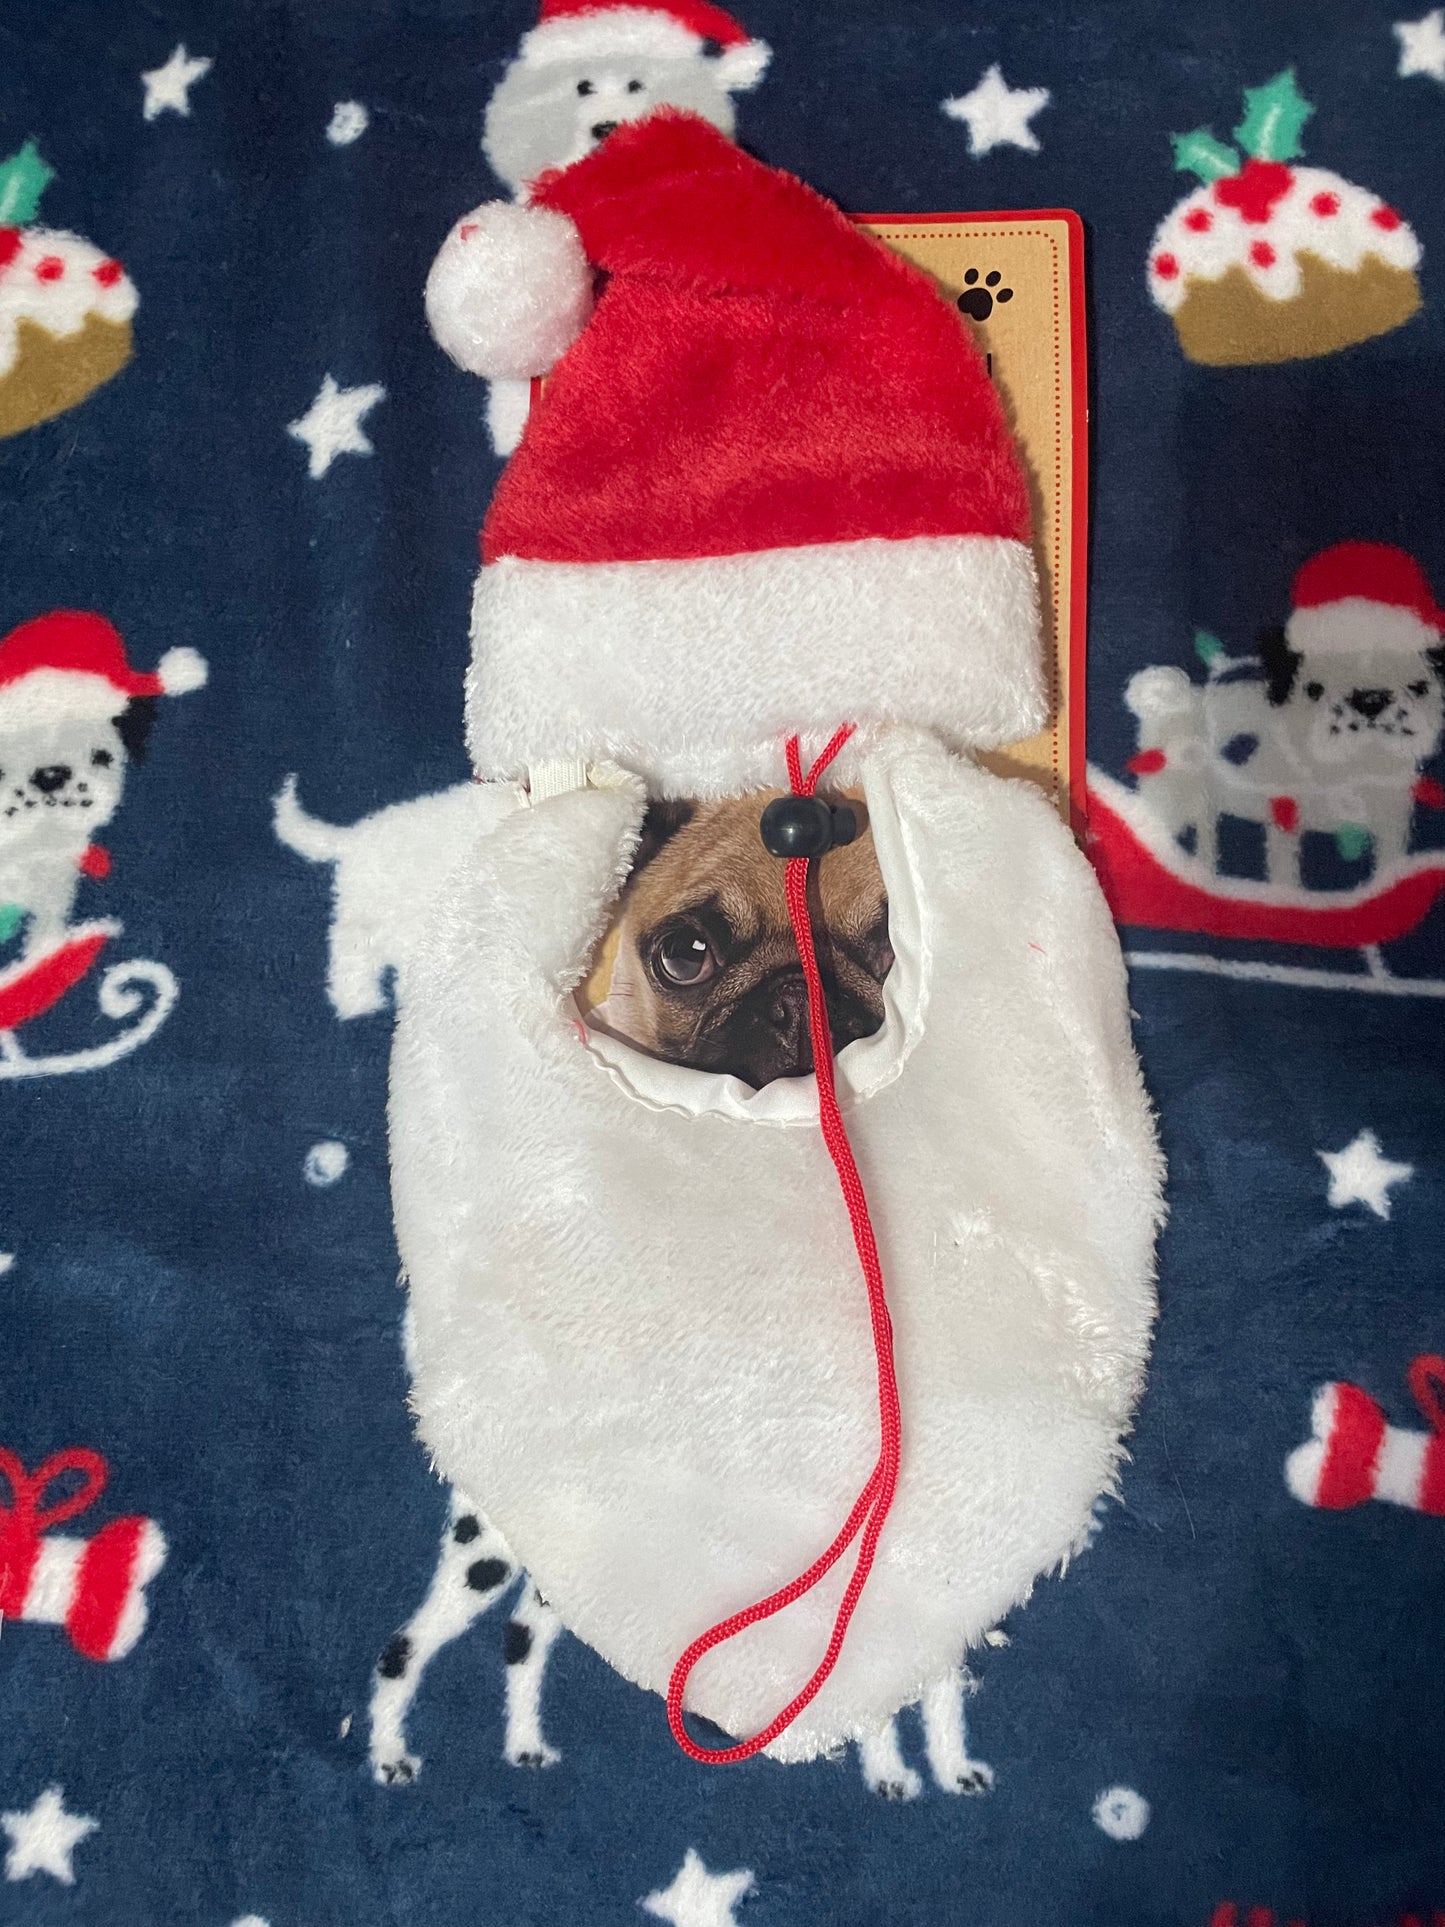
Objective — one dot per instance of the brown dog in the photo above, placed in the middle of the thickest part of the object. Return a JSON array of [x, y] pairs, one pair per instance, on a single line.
[[700, 966]]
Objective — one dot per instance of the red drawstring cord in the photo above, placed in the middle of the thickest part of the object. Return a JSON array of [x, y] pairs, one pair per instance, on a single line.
[[871, 1507]]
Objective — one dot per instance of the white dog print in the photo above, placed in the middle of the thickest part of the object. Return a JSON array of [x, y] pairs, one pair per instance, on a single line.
[[73, 716], [1326, 729]]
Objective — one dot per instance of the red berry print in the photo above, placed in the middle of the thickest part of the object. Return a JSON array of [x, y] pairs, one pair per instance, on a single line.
[[49, 268], [467, 230], [9, 245], [1199, 220], [1285, 812], [1386, 218], [1262, 254], [108, 273], [1255, 189], [1324, 205], [1148, 762], [1165, 266]]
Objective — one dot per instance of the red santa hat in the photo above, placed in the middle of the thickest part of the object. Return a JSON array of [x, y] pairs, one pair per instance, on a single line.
[[71, 664], [1360, 597], [662, 29], [769, 488]]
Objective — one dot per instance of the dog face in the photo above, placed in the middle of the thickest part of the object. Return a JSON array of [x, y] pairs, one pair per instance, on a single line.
[[1361, 711], [61, 779], [705, 968], [550, 116]]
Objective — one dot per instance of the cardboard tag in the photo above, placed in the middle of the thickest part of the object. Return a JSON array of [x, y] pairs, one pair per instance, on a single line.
[[1019, 277]]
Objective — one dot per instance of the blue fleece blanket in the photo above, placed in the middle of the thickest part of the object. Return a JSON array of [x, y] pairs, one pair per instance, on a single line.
[[257, 1664]]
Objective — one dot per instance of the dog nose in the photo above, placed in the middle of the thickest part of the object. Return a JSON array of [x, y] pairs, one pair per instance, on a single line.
[[54, 776], [786, 1016], [602, 128], [1369, 702]]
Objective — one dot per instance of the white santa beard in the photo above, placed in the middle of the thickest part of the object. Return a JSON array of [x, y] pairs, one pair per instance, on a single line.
[[642, 1336]]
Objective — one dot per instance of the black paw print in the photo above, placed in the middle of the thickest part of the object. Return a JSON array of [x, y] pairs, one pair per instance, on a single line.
[[977, 303]]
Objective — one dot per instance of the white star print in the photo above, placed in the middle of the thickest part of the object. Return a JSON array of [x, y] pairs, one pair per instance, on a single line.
[[698, 1898], [1360, 1175], [331, 426], [170, 86], [1422, 45], [7, 1258], [998, 115], [44, 1838]]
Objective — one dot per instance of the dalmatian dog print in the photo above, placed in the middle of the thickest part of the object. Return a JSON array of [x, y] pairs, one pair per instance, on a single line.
[[1325, 730], [578, 76], [474, 1572], [74, 717]]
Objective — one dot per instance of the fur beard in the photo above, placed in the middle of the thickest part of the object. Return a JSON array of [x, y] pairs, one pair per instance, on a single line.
[[640, 1326]]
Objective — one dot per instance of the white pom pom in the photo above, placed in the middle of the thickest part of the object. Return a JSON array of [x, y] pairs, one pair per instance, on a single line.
[[510, 291], [181, 671], [743, 66]]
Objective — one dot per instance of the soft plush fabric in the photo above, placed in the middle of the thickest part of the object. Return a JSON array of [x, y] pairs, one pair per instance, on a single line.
[[691, 672], [817, 389], [827, 520], [1230, 1701], [639, 1329]]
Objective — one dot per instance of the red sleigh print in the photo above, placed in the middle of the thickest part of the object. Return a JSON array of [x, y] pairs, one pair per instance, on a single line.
[[1227, 1914], [1325, 730], [1355, 1454], [74, 715], [94, 1588]]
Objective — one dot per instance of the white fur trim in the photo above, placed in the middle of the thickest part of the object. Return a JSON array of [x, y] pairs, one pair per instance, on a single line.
[[181, 671], [509, 291], [1356, 626], [46, 696], [645, 31], [645, 1337], [690, 672]]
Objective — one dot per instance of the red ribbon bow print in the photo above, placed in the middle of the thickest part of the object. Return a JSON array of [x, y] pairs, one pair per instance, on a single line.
[[26, 1517]]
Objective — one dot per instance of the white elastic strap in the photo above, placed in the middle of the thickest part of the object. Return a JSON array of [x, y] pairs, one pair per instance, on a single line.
[[554, 779]]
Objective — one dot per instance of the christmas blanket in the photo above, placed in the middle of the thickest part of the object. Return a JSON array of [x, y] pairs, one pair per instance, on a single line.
[[259, 1667]]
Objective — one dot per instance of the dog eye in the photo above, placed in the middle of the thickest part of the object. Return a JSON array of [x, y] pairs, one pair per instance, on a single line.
[[101, 758], [683, 955], [634, 86], [1314, 690], [585, 87], [1418, 688]]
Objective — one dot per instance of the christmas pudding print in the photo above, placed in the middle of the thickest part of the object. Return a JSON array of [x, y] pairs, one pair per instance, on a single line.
[[1269, 262], [65, 307]]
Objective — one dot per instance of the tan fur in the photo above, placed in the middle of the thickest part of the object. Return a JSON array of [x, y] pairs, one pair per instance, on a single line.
[[746, 1017]]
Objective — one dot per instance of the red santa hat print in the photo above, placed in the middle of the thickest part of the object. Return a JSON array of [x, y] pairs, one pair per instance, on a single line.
[[73, 664], [1363, 597], [664, 30]]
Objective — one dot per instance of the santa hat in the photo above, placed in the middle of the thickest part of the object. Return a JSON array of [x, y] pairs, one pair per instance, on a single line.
[[71, 664], [769, 488], [1359, 597], [668, 30]]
